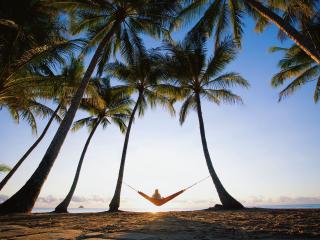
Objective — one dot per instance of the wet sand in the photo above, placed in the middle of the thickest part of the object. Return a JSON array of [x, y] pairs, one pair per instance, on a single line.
[[245, 224]]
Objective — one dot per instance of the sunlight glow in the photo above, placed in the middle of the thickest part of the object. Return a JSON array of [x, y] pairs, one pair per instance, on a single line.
[[145, 206]]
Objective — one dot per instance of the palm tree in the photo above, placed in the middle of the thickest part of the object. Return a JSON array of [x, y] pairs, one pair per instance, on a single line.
[[198, 79], [298, 67], [141, 76], [110, 25], [109, 106], [220, 15], [60, 88]]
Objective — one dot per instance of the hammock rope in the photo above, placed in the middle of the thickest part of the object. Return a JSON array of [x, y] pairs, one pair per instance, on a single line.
[[160, 202]]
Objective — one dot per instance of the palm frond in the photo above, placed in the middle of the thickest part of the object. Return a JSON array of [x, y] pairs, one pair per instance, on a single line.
[[298, 82], [222, 95], [223, 55], [190, 102], [227, 80]]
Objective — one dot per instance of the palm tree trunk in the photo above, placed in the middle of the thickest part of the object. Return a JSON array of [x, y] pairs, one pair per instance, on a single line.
[[285, 27], [115, 202], [228, 202], [63, 206], [24, 200], [34, 145]]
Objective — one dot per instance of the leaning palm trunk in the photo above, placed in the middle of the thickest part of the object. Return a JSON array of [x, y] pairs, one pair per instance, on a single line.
[[63, 206], [24, 200], [34, 145], [115, 202], [228, 202], [290, 31]]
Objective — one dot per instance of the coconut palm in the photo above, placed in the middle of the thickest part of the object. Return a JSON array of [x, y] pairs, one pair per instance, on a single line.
[[106, 108], [110, 25], [60, 88], [218, 16], [141, 76], [198, 78]]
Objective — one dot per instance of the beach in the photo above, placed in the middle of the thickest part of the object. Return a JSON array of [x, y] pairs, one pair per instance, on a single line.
[[205, 224]]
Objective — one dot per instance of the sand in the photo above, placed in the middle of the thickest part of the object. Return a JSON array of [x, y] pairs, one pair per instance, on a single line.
[[245, 224]]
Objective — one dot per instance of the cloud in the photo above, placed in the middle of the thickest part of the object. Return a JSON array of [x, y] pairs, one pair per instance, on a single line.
[[299, 200], [78, 199], [261, 200], [48, 200], [90, 201], [94, 198], [51, 201], [97, 198]]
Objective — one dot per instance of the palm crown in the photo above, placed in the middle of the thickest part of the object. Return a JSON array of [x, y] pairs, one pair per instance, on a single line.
[[189, 70], [126, 19], [106, 107], [142, 76]]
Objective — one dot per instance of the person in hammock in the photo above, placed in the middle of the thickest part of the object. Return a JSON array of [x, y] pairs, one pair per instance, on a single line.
[[156, 195]]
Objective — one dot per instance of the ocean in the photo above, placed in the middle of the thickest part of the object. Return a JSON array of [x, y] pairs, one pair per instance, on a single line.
[[93, 210]]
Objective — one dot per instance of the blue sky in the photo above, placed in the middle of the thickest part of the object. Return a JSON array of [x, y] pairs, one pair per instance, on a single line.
[[264, 152]]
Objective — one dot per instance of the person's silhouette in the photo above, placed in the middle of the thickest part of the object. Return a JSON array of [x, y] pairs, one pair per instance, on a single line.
[[156, 194]]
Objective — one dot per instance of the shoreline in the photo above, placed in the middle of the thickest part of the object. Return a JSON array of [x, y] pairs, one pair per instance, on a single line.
[[104, 209], [252, 223]]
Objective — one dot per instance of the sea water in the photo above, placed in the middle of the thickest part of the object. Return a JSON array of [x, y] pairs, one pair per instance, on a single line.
[[94, 210]]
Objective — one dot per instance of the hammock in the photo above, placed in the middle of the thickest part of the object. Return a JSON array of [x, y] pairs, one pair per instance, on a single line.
[[160, 202]]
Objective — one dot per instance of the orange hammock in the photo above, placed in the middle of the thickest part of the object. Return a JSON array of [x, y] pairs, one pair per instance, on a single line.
[[160, 202]]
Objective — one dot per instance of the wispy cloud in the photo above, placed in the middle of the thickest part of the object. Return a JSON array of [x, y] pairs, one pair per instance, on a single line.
[[261, 200], [51, 201], [90, 201]]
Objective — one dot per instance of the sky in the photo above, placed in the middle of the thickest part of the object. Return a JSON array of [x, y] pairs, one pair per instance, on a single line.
[[264, 152]]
